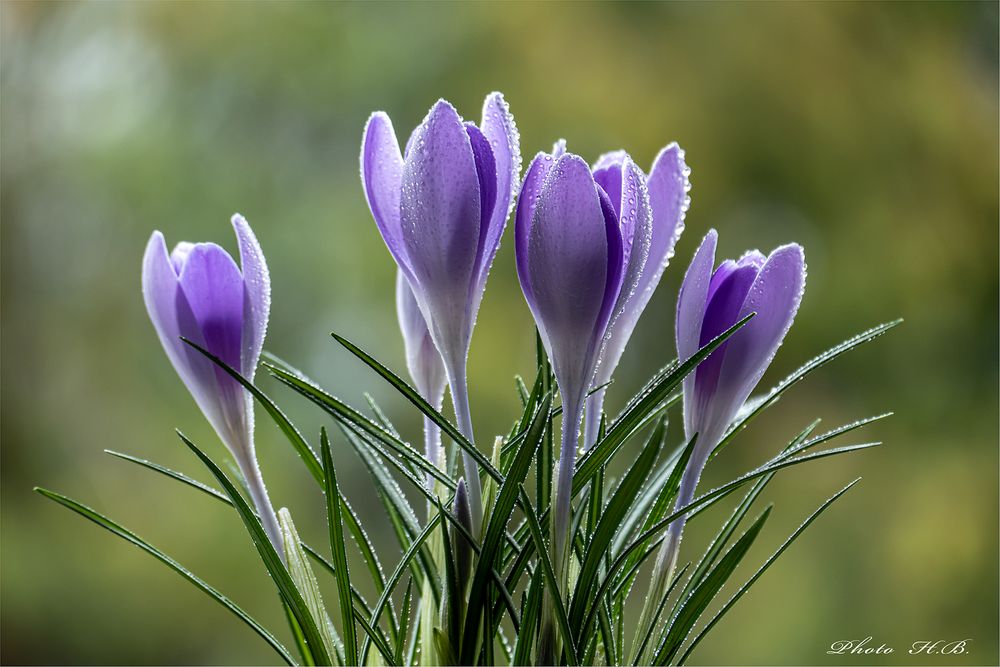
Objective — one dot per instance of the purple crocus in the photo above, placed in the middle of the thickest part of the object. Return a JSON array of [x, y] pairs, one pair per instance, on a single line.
[[576, 248], [712, 299], [667, 186], [199, 292], [423, 363], [441, 209]]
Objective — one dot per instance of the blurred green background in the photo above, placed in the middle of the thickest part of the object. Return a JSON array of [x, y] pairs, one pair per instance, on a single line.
[[866, 131]]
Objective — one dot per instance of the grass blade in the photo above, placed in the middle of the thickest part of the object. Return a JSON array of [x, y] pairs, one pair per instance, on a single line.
[[763, 568], [295, 438], [496, 528], [421, 404], [633, 418], [129, 536], [272, 561], [802, 372], [610, 521], [545, 563], [339, 550], [706, 591]]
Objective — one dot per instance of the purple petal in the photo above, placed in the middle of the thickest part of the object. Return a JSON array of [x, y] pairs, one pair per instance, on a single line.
[[668, 187], [728, 291], [691, 305], [775, 296], [422, 358], [573, 257], [440, 212], [530, 189], [257, 296], [172, 318], [610, 179], [636, 228], [499, 128], [381, 174], [213, 286], [486, 169]]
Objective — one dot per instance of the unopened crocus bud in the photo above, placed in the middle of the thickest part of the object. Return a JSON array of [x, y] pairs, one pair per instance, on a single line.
[[441, 209], [662, 204], [460, 543], [712, 299], [423, 363], [199, 293]]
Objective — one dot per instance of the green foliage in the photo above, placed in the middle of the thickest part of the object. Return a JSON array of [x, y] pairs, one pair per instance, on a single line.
[[615, 529]]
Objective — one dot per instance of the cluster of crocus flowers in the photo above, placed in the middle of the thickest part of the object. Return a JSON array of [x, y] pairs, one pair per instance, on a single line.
[[197, 292], [712, 299], [441, 208]]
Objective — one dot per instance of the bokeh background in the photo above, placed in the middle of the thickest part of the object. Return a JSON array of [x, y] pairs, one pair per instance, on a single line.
[[866, 131]]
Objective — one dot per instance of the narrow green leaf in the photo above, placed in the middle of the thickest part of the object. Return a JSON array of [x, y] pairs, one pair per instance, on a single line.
[[705, 500], [496, 528], [659, 608], [357, 422], [706, 591], [763, 568], [129, 536], [639, 413], [609, 522], [414, 397], [339, 549], [550, 578], [173, 474], [529, 620], [305, 580], [390, 585], [295, 438], [802, 372], [272, 561], [404, 618]]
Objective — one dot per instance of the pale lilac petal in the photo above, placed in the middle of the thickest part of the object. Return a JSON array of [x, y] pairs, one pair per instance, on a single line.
[[257, 296], [693, 297], [668, 186], [775, 296], [422, 358], [636, 227], [609, 178], [382, 173], [499, 128], [486, 169], [180, 254], [691, 303], [610, 159], [532, 186]]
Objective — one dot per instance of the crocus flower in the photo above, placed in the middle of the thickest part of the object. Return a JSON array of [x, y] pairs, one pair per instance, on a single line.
[[423, 363], [667, 186], [575, 250], [709, 303], [199, 292], [441, 209]]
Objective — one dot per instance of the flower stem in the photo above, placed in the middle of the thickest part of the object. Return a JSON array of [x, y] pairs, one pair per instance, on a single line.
[[592, 424], [458, 384], [666, 558], [258, 494], [432, 446], [548, 642]]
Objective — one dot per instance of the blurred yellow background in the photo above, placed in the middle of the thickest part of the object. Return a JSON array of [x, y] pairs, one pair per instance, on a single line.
[[865, 131]]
